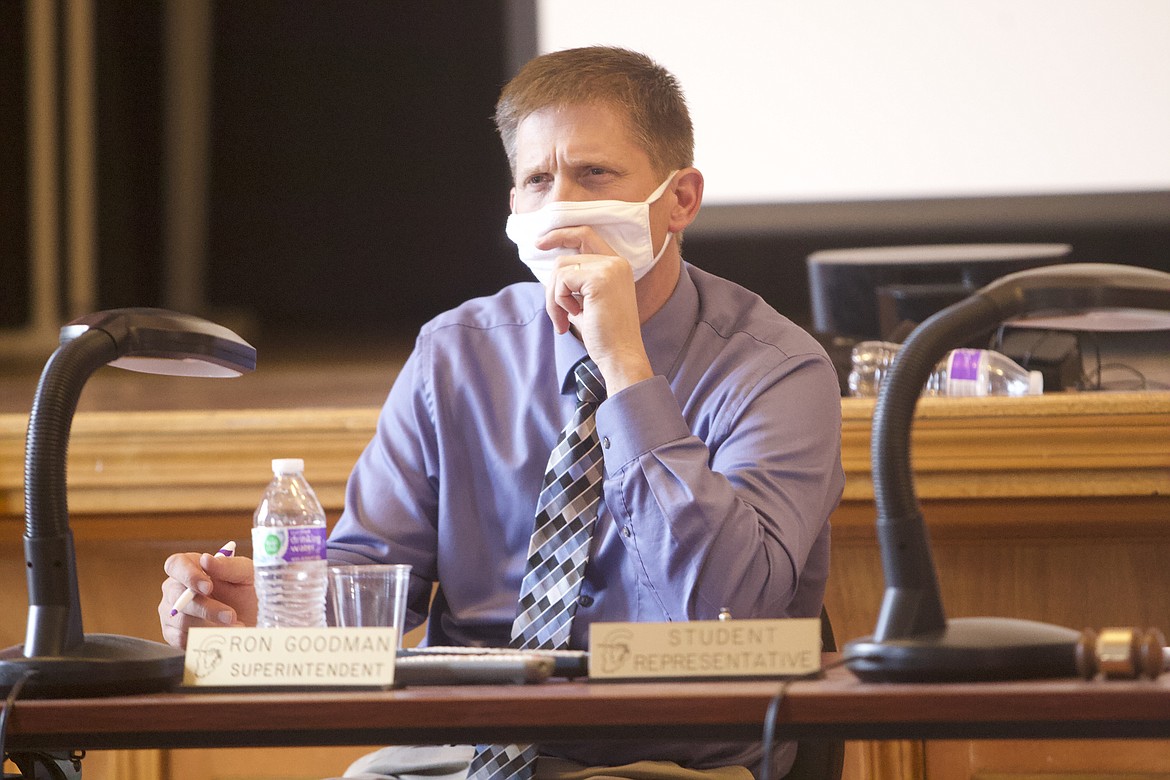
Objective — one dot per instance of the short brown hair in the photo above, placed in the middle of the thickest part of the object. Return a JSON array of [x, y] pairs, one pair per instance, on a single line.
[[643, 91]]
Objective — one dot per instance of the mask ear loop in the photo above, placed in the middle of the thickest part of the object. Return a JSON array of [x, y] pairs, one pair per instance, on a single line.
[[654, 197], [658, 193], [662, 251]]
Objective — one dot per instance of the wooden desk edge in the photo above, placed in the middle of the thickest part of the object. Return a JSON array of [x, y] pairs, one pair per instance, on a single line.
[[836, 706]]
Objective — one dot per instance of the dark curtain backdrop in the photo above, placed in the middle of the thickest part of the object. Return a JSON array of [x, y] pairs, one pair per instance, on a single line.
[[129, 126], [356, 177], [14, 247]]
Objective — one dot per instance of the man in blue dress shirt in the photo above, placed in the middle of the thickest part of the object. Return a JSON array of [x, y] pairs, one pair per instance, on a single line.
[[720, 432]]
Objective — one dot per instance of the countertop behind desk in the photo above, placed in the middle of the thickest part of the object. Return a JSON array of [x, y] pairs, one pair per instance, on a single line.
[[1075, 445]]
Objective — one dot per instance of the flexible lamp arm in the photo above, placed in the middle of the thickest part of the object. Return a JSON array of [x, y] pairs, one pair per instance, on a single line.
[[59, 388], [54, 618], [912, 605], [913, 602]]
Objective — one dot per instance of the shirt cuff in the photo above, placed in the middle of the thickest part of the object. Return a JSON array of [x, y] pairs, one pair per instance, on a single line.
[[636, 420]]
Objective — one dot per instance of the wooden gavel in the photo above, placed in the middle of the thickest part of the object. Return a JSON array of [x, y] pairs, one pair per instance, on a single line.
[[1121, 653]]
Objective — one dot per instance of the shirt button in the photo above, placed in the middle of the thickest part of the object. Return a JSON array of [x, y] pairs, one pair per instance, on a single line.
[[585, 600], [626, 532], [605, 442]]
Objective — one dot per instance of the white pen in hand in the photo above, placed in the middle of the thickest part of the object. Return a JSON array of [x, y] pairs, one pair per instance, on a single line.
[[226, 551]]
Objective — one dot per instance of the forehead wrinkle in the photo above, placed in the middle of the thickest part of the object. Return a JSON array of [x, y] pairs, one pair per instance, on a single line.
[[566, 162], [571, 147]]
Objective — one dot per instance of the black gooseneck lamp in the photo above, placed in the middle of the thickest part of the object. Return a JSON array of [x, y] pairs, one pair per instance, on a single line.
[[62, 659], [913, 640]]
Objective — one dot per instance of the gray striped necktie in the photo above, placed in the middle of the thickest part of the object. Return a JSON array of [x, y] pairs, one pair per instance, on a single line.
[[557, 553]]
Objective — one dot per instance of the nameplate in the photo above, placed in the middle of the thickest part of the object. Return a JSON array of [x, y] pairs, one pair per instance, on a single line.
[[705, 649], [299, 657]]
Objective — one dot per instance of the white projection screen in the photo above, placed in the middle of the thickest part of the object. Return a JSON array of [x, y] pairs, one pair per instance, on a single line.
[[812, 102]]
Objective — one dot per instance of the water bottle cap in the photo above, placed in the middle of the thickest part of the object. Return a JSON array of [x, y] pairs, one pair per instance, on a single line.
[[288, 465], [1035, 383]]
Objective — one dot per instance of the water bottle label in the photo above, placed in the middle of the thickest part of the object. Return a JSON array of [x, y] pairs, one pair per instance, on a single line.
[[965, 364], [291, 544], [963, 372]]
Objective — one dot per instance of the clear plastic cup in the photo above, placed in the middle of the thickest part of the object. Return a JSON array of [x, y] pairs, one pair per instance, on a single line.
[[371, 594]]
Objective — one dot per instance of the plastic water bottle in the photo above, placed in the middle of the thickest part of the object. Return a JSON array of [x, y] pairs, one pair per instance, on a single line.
[[963, 372], [870, 361], [980, 372], [288, 550]]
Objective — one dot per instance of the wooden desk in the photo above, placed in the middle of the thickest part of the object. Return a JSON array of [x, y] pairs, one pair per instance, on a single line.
[[838, 705], [1054, 508]]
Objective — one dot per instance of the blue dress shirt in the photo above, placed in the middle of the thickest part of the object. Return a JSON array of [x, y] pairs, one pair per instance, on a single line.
[[720, 474]]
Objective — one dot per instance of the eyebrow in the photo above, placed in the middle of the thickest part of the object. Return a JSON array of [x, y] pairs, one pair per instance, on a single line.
[[583, 163]]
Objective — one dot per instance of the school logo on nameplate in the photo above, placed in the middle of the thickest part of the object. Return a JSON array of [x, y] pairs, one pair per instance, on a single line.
[[290, 657]]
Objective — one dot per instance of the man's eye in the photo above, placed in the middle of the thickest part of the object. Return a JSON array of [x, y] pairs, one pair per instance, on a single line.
[[537, 179], [597, 171]]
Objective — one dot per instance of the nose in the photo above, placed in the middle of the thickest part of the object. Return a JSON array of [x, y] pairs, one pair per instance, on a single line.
[[566, 188]]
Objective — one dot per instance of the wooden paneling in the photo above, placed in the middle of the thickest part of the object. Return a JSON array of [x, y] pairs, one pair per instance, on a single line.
[[1049, 760], [1052, 446]]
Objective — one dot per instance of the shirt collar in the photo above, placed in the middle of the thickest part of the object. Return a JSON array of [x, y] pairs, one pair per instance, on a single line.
[[664, 334]]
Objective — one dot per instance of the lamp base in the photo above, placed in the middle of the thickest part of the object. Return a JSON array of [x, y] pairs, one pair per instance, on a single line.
[[103, 664], [969, 649]]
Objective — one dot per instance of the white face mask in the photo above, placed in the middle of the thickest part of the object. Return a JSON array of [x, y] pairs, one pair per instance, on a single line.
[[624, 225]]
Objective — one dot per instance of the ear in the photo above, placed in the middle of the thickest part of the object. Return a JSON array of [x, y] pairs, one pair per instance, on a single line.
[[512, 200], [688, 196]]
